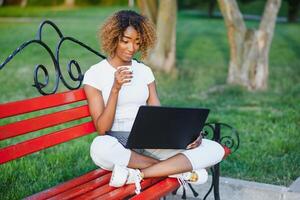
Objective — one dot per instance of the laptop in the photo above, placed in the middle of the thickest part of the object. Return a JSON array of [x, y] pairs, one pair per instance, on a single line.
[[157, 127]]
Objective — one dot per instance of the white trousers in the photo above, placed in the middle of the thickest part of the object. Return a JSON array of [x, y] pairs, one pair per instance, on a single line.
[[106, 151]]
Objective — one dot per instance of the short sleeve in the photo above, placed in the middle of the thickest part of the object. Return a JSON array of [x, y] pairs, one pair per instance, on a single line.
[[149, 75], [91, 78]]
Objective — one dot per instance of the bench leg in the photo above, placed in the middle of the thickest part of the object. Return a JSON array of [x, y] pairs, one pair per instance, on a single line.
[[215, 173], [216, 168], [216, 178]]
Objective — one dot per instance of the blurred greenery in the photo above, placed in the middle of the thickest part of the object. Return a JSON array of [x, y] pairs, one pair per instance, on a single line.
[[37, 8], [268, 121], [77, 2], [250, 7]]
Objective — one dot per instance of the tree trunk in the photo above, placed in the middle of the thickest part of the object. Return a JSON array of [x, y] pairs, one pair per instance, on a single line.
[[249, 49], [163, 56], [23, 3], [293, 9], [149, 8], [131, 3], [70, 3], [211, 8]]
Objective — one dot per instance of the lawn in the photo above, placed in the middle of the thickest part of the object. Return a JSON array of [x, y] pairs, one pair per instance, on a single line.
[[268, 121]]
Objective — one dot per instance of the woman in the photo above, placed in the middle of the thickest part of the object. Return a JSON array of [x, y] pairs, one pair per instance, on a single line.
[[114, 95]]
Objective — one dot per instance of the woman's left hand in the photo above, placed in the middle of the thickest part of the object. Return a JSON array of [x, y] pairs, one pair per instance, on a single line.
[[196, 143]]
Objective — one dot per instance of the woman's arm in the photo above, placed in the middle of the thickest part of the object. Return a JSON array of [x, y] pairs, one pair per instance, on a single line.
[[153, 99], [102, 116]]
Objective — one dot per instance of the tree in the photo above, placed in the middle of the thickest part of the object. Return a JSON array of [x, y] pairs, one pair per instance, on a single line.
[[249, 49], [293, 9], [211, 7], [163, 14], [24, 3], [131, 3], [69, 3]]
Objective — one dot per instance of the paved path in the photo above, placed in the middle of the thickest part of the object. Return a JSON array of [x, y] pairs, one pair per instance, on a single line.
[[235, 189]]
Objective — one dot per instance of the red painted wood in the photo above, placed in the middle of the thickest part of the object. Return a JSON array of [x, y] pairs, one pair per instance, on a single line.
[[128, 190], [105, 191], [39, 103], [89, 186], [96, 192], [158, 190], [33, 145], [37, 123], [81, 189], [68, 185], [227, 151]]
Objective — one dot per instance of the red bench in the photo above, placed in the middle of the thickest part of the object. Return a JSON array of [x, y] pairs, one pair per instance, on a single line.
[[95, 183], [91, 185]]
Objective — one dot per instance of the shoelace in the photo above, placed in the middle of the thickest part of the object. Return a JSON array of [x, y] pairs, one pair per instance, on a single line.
[[137, 182], [184, 184]]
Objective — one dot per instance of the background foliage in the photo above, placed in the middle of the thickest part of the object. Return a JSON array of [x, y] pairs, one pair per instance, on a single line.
[[268, 121]]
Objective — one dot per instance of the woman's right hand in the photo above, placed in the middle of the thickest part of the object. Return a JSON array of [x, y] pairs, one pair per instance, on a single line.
[[122, 75]]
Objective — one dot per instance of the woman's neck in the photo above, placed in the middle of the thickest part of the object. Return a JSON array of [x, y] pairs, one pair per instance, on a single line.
[[117, 62]]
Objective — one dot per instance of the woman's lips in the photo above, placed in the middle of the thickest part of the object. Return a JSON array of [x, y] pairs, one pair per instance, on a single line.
[[128, 55]]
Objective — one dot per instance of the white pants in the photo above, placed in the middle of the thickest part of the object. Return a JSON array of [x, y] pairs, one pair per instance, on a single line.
[[106, 151]]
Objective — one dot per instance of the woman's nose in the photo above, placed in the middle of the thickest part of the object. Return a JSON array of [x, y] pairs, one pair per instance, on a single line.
[[132, 47]]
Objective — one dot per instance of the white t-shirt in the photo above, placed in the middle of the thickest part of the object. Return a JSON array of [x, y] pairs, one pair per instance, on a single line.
[[131, 97]]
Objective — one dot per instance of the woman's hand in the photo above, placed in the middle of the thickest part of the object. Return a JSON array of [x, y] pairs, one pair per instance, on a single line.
[[196, 143], [122, 75]]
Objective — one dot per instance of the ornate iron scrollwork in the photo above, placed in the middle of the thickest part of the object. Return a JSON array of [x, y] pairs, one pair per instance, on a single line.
[[40, 68], [225, 135], [229, 137]]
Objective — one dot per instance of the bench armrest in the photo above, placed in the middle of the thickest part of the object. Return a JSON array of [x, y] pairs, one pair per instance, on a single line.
[[222, 133]]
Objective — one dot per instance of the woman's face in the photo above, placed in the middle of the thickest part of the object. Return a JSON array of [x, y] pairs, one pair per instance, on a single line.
[[128, 45]]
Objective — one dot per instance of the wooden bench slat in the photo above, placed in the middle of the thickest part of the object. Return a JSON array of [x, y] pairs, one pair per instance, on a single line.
[[41, 122], [96, 192], [158, 190], [227, 152], [68, 185], [128, 190], [93, 185], [81, 189], [101, 192], [21, 149], [39, 103]]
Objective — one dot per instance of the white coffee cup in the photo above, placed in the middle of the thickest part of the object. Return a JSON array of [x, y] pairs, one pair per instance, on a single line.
[[129, 69]]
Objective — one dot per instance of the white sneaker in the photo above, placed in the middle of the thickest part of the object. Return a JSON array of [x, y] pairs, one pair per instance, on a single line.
[[195, 177], [122, 175]]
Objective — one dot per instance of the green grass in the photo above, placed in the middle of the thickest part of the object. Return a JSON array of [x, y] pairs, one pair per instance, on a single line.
[[268, 121]]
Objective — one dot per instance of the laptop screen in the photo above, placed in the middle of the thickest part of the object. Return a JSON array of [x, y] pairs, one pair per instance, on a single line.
[[157, 127]]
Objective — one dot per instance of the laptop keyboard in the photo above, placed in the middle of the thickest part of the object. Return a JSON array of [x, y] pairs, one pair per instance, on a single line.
[[122, 137]]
